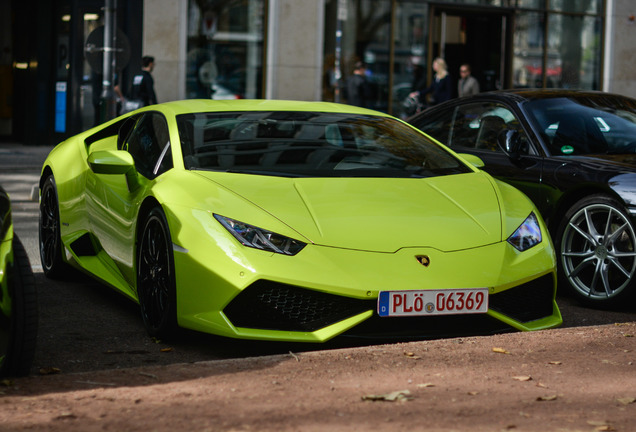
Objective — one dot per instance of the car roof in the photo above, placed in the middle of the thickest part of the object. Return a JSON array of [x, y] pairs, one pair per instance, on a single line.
[[210, 105], [525, 94]]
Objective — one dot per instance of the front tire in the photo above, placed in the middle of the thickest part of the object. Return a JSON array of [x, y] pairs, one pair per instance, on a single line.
[[597, 251], [50, 240], [156, 286], [17, 346]]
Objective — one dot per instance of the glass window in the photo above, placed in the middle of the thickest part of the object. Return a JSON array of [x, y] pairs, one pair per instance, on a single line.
[[149, 145], [474, 126], [527, 61], [410, 55], [577, 6], [603, 124], [225, 49], [439, 124], [308, 144], [576, 40], [530, 4], [366, 39]]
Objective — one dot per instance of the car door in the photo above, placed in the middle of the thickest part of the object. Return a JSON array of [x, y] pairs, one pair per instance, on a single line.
[[114, 222], [473, 128]]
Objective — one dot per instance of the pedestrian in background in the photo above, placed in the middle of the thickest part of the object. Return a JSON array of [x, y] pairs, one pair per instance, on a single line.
[[143, 87], [467, 84], [441, 89], [358, 92]]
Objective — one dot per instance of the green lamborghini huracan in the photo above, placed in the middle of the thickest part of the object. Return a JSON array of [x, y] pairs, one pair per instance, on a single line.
[[18, 299], [294, 221]]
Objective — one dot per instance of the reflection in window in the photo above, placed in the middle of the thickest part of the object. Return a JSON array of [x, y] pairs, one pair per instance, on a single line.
[[365, 38], [576, 39], [225, 49], [149, 145], [577, 6], [528, 53]]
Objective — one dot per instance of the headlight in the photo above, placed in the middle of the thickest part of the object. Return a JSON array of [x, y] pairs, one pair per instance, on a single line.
[[527, 235], [259, 238]]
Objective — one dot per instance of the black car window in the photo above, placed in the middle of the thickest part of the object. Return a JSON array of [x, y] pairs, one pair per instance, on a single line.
[[149, 145], [477, 125], [438, 124]]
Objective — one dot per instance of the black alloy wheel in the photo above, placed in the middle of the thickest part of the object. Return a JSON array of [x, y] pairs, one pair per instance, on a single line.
[[19, 323], [49, 231], [597, 248], [155, 277]]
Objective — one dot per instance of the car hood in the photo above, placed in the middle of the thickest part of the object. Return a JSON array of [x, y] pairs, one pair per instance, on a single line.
[[375, 214]]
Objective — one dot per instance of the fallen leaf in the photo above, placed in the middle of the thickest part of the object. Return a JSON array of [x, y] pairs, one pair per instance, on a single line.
[[628, 335], [425, 385], [49, 371], [473, 393], [500, 350], [626, 401], [522, 378], [400, 395], [546, 398], [411, 355], [165, 349], [555, 362], [605, 428]]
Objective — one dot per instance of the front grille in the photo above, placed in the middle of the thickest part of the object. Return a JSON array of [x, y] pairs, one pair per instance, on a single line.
[[528, 302], [270, 305], [274, 306]]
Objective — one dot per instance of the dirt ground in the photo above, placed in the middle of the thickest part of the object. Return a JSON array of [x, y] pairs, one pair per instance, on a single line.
[[569, 379]]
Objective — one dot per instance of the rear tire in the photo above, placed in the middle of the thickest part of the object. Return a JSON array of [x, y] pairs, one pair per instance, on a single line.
[[597, 252]]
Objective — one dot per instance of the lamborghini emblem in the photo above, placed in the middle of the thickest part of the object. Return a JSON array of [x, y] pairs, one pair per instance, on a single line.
[[423, 259]]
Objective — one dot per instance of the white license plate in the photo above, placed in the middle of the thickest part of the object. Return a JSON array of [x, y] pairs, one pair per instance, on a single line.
[[433, 302]]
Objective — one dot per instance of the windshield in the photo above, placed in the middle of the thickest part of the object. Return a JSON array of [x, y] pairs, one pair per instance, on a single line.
[[586, 125], [310, 144]]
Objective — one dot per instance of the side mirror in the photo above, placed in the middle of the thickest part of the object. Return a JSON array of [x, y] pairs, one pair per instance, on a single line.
[[111, 162], [509, 141], [473, 160]]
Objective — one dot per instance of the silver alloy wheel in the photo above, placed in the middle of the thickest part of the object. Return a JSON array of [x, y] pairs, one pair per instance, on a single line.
[[598, 252]]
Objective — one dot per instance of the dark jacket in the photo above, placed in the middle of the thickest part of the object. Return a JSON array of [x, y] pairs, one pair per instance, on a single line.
[[441, 90], [143, 88], [358, 92]]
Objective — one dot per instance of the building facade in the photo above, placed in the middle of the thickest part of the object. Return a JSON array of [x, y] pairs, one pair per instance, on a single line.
[[305, 50]]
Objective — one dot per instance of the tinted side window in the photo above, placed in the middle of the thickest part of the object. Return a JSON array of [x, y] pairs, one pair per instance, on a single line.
[[438, 125], [478, 125], [149, 145]]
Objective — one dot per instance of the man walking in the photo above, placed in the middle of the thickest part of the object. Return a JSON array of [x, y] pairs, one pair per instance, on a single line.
[[143, 87]]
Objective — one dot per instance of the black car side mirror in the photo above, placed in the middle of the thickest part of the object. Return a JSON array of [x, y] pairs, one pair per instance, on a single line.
[[509, 141]]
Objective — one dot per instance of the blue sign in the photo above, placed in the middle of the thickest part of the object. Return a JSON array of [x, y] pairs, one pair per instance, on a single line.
[[60, 107]]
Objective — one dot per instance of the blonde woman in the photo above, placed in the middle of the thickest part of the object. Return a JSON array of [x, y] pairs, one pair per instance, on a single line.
[[441, 89]]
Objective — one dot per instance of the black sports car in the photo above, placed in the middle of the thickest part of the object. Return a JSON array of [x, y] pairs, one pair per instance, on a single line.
[[574, 154]]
